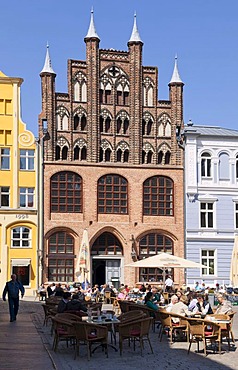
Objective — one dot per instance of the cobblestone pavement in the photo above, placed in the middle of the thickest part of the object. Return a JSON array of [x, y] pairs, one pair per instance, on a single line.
[[165, 356]]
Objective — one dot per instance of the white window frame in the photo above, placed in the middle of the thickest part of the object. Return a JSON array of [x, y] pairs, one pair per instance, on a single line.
[[27, 156], [206, 159], [207, 211], [4, 193], [236, 214], [21, 239], [25, 192], [5, 156], [207, 259]]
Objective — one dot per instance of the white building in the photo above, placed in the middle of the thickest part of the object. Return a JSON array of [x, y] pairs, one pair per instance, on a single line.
[[211, 175]]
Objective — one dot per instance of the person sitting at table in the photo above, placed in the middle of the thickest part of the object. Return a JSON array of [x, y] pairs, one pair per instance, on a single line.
[[193, 301], [59, 291], [224, 306], [156, 295], [75, 305], [180, 295], [63, 302], [173, 300], [179, 308], [149, 303], [202, 307]]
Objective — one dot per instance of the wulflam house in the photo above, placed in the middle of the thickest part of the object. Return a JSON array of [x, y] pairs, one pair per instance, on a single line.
[[113, 164]]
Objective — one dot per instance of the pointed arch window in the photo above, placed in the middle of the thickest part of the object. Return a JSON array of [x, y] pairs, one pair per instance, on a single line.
[[62, 119], [158, 194], [164, 125], [80, 87], [61, 150], [112, 194], [122, 91], [122, 120], [105, 122], [147, 124], [148, 91], [80, 150], [66, 192], [149, 245]]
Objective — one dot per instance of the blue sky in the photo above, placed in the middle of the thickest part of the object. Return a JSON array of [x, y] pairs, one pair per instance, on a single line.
[[204, 34]]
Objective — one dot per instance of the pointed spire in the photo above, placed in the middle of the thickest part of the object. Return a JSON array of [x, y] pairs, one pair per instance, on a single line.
[[92, 33], [175, 77], [135, 36], [47, 66]]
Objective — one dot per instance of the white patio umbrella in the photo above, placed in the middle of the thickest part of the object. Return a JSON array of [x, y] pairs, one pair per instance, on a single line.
[[83, 263], [164, 261], [234, 264]]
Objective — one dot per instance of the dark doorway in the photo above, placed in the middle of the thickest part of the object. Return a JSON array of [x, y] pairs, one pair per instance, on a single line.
[[99, 272]]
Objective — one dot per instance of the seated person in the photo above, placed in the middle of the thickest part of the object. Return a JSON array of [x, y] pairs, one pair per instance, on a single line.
[[202, 307], [59, 291], [75, 305], [224, 306], [156, 295], [179, 308], [174, 299], [63, 303], [193, 301], [149, 303]]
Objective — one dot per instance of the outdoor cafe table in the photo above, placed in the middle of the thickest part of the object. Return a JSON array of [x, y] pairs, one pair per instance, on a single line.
[[105, 322]]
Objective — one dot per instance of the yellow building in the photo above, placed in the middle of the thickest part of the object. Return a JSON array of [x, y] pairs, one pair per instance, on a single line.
[[18, 191]]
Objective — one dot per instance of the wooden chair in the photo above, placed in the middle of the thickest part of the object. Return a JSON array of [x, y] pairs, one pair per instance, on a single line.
[[204, 331], [124, 305], [47, 313], [231, 335], [90, 334], [226, 328], [135, 330]]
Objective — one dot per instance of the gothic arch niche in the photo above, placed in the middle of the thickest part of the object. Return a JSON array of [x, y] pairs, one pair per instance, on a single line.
[[164, 125], [80, 150], [80, 87], [105, 121], [80, 119], [105, 151], [105, 91], [164, 154], [147, 124], [122, 120], [122, 152], [148, 92], [147, 153], [62, 119], [62, 148], [122, 90]]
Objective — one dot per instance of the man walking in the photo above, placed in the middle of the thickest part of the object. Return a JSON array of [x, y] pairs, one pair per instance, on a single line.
[[12, 289]]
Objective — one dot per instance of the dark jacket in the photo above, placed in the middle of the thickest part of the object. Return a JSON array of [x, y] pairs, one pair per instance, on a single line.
[[12, 288], [62, 306], [75, 305]]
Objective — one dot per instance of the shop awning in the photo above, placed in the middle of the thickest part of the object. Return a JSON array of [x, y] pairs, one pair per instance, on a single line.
[[20, 261]]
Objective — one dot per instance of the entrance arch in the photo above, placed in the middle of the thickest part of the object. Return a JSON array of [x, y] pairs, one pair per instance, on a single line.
[[106, 253]]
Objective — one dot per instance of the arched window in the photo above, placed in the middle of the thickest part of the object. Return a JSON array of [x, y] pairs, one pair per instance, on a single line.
[[80, 87], [122, 91], [64, 153], [21, 237], [66, 192], [158, 192], [224, 173], [107, 244], [112, 194], [149, 245], [206, 165], [147, 153], [105, 151], [62, 148], [122, 152], [164, 125], [80, 150], [57, 153], [147, 124], [167, 158], [62, 119], [61, 257], [105, 122], [160, 157], [148, 89], [80, 120], [122, 120], [105, 90]]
